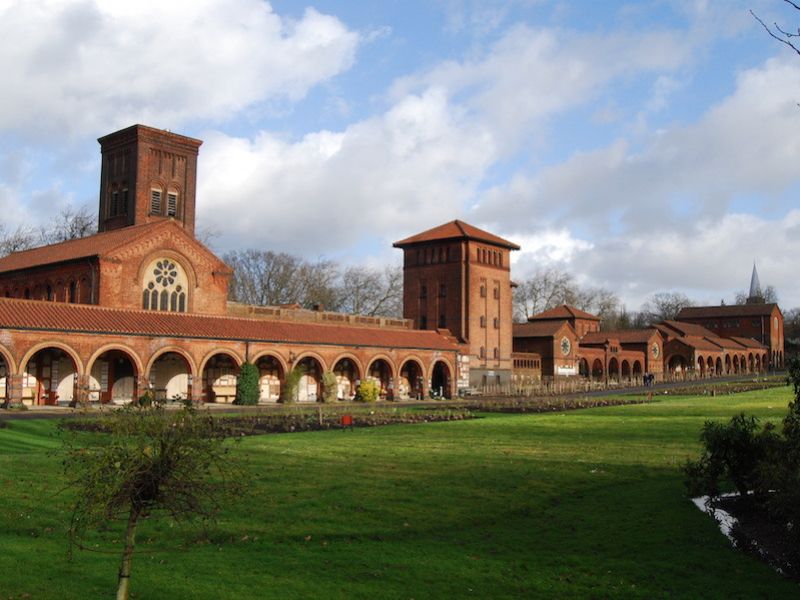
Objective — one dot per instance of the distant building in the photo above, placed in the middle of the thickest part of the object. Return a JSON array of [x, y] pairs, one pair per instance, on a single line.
[[674, 348], [761, 322]]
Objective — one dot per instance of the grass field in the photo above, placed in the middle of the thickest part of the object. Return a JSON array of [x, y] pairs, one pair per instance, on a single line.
[[580, 504]]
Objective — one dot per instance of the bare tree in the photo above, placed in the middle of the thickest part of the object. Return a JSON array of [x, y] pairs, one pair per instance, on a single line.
[[784, 36], [546, 289], [366, 291], [22, 238], [69, 224], [665, 306], [264, 277]]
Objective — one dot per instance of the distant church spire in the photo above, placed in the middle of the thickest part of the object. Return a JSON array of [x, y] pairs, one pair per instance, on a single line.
[[755, 295]]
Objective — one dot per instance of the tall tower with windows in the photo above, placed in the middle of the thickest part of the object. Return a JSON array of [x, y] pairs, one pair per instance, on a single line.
[[147, 174], [458, 277]]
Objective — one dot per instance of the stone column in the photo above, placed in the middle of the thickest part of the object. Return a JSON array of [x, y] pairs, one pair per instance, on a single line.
[[196, 390], [14, 390]]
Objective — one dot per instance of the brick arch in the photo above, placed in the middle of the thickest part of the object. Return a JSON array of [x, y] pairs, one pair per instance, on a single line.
[[416, 359], [166, 350], [231, 353], [310, 354], [384, 357], [8, 357], [349, 356], [271, 354], [451, 374], [76, 359], [132, 354]]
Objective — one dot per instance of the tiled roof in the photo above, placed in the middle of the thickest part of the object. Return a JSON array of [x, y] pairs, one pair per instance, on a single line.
[[456, 230], [76, 318], [93, 245], [749, 342], [543, 329], [565, 311], [687, 328], [733, 310], [630, 336], [700, 343]]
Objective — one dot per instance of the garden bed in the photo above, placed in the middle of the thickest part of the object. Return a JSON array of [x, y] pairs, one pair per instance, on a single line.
[[542, 405], [722, 388], [243, 425]]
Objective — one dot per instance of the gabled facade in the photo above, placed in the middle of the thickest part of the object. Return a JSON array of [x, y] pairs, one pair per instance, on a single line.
[[761, 322], [554, 341]]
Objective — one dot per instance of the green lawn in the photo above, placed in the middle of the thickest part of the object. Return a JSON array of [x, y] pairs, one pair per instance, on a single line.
[[580, 504]]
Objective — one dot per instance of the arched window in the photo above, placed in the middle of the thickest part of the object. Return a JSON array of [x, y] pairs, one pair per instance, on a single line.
[[165, 286], [155, 201], [172, 203]]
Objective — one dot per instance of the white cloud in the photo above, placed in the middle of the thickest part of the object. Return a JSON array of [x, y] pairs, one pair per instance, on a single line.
[[530, 75], [710, 260], [380, 177], [93, 65], [680, 174]]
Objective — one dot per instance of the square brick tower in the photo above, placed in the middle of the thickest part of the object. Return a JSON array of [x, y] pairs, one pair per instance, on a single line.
[[458, 277], [147, 174]]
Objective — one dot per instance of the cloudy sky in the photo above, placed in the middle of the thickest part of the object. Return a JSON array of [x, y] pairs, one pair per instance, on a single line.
[[642, 146]]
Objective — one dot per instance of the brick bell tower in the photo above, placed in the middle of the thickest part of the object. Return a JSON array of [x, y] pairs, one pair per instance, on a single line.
[[458, 277], [147, 174]]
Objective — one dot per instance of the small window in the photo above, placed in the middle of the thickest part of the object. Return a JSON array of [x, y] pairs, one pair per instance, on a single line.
[[172, 204], [497, 293], [72, 289], [442, 322], [497, 353], [483, 352], [496, 323], [423, 322], [483, 291], [113, 210], [123, 208], [483, 321], [423, 291], [442, 290], [155, 202]]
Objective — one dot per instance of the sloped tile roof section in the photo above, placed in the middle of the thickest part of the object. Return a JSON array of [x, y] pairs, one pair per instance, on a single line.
[[733, 310], [93, 245], [565, 311], [689, 329], [39, 315], [700, 343], [749, 342], [632, 336], [456, 230], [543, 329]]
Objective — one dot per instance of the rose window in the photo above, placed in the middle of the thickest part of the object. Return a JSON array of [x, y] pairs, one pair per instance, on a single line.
[[164, 287]]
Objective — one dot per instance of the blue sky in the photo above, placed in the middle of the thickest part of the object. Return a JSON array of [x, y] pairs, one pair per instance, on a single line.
[[642, 146]]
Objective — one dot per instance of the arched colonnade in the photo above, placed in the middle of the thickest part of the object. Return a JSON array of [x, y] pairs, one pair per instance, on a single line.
[[56, 372]]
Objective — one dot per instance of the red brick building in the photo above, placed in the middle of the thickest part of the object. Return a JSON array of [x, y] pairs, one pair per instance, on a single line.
[[569, 342], [761, 322], [142, 305], [554, 341], [457, 279]]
